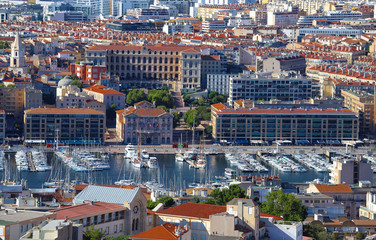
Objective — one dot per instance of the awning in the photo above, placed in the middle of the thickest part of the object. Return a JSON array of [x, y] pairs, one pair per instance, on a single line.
[[257, 141]]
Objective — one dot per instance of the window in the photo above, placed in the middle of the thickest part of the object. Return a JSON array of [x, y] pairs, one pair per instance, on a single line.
[[150, 220], [115, 229], [121, 228], [107, 230]]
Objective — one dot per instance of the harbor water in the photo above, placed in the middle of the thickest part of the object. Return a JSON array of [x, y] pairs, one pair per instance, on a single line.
[[174, 175]]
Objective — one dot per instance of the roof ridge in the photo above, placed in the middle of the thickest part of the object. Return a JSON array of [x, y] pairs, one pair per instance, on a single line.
[[163, 225]]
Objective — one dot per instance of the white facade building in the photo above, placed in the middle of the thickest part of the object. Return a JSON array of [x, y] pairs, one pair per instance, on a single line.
[[219, 82], [171, 28], [329, 16], [285, 86]]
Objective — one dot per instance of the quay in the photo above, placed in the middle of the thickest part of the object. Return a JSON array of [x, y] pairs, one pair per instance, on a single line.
[[30, 161], [213, 149]]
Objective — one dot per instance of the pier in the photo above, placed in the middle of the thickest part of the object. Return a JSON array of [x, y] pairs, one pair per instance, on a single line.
[[30, 160], [191, 163]]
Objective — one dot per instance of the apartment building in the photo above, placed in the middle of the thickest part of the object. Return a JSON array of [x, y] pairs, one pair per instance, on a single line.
[[267, 86], [70, 96], [15, 223], [332, 16], [282, 18], [178, 67], [362, 103], [211, 64], [69, 125], [156, 125], [350, 170], [369, 210], [319, 203], [244, 124], [2, 126], [15, 100], [219, 82], [106, 95], [212, 25], [87, 71], [109, 218], [288, 62], [351, 198]]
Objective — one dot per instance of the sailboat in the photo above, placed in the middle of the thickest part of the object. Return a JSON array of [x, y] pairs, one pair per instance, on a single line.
[[179, 157], [201, 159], [138, 160]]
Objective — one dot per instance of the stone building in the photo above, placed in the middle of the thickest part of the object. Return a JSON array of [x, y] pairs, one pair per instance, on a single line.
[[154, 125]]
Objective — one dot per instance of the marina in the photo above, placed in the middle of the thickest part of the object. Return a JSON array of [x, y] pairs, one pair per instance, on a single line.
[[171, 173]]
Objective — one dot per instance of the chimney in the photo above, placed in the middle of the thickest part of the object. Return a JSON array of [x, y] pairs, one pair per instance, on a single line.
[[240, 209]]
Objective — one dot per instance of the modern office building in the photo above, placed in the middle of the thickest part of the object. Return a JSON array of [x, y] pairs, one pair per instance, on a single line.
[[334, 31], [362, 103], [286, 86], [350, 170], [67, 125], [244, 124]]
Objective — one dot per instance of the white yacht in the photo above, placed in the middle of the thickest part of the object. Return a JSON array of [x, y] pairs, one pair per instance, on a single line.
[[179, 157], [125, 182], [153, 162], [229, 172], [130, 151], [201, 163], [145, 155]]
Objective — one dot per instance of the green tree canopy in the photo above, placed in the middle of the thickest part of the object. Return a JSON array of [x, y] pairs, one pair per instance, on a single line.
[[135, 96], [167, 202], [76, 83], [161, 97], [285, 205], [189, 116], [176, 119], [93, 234], [121, 237], [318, 232], [221, 197]]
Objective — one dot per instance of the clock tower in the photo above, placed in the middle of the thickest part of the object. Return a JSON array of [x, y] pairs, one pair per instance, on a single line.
[[17, 57]]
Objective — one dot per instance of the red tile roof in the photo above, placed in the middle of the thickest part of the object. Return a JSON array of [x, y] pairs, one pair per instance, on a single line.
[[103, 90], [77, 211], [195, 210], [337, 188], [63, 111], [166, 231], [275, 218]]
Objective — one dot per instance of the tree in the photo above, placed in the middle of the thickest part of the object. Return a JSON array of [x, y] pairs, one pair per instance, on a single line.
[[195, 200], [176, 119], [74, 76], [166, 201], [163, 107], [92, 234], [318, 232], [285, 205], [135, 96], [161, 97], [76, 83], [209, 130], [221, 197], [111, 112], [121, 237], [189, 116]]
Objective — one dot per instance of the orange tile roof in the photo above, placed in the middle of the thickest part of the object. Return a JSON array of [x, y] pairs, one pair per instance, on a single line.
[[85, 209], [195, 210], [275, 218], [63, 111], [103, 90], [166, 231], [337, 188]]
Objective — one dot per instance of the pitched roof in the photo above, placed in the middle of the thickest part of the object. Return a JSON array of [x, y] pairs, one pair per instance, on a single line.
[[86, 208], [145, 112], [196, 210], [166, 231], [337, 188], [106, 194], [103, 90], [63, 111], [265, 215]]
